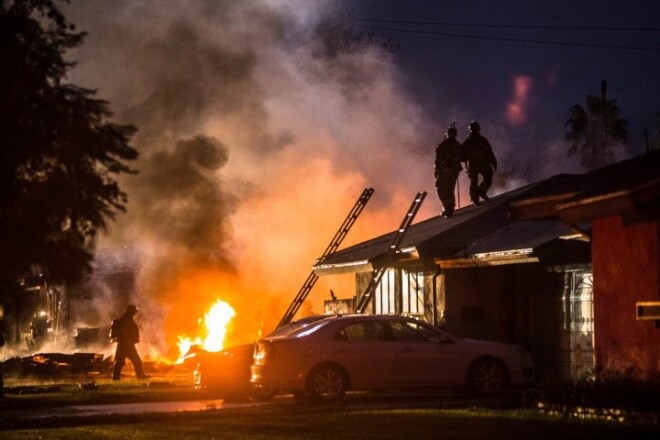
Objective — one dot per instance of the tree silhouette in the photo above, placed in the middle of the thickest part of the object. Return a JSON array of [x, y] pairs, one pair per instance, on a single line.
[[595, 132], [60, 151]]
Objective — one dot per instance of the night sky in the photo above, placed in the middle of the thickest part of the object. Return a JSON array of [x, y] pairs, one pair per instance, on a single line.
[[467, 66]]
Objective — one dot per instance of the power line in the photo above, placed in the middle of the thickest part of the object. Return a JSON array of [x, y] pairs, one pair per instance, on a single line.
[[512, 26], [513, 40]]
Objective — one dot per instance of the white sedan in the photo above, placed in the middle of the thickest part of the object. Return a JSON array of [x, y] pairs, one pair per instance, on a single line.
[[323, 358]]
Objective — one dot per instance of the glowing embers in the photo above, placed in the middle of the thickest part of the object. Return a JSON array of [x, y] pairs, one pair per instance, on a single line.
[[215, 323]]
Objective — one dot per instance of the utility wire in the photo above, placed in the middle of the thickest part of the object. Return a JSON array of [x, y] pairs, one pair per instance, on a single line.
[[511, 26], [513, 40]]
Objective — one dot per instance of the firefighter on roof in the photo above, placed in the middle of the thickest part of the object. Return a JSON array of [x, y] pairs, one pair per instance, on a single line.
[[478, 154], [447, 167]]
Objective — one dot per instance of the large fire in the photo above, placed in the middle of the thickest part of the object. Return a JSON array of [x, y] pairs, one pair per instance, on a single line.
[[215, 323]]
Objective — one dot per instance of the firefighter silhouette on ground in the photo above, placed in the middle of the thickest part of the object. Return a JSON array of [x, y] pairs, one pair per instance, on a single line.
[[125, 333], [447, 166], [39, 329], [480, 160]]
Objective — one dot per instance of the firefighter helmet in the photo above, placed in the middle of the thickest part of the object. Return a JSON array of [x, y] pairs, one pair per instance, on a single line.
[[451, 131], [474, 127], [131, 309]]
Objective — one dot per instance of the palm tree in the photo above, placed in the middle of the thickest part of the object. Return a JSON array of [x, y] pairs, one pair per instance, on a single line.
[[594, 133]]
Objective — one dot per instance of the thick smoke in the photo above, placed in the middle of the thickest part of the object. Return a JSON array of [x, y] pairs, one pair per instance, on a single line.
[[260, 124]]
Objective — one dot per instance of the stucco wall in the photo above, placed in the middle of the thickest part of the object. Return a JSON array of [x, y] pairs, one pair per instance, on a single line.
[[475, 303], [626, 270]]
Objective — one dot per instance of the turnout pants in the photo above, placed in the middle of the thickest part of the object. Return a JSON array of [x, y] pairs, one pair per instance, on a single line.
[[125, 350], [444, 185], [480, 189]]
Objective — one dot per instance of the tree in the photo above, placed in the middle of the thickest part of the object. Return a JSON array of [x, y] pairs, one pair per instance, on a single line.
[[594, 133], [60, 151]]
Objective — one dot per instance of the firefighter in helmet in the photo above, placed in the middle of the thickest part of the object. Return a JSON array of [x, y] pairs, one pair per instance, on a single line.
[[126, 334], [480, 161], [447, 167]]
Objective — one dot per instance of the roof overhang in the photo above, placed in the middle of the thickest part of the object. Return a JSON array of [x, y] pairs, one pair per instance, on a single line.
[[641, 198], [339, 268], [539, 207], [404, 255], [573, 207], [513, 256]]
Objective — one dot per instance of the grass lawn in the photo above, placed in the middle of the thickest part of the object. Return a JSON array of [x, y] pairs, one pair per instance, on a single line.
[[337, 422], [352, 419], [64, 393]]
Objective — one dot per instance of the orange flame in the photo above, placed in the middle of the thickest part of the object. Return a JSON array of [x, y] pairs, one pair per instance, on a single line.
[[216, 321]]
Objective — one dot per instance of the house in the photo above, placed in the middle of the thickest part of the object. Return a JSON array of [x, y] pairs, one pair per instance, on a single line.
[[622, 203], [482, 274]]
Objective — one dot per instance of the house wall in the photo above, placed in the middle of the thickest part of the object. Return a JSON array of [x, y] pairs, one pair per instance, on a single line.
[[519, 304], [475, 302], [524, 304], [626, 270], [540, 321]]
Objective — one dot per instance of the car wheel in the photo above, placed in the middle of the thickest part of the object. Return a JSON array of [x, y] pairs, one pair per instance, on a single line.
[[487, 376], [326, 383]]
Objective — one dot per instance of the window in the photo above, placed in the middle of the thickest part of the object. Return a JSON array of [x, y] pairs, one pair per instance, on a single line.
[[412, 292], [578, 324], [386, 293], [410, 331], [362, 331], [400, 292]]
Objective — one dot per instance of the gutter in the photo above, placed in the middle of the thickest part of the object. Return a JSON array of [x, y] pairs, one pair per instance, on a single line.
[[513, 256], [349, 267]]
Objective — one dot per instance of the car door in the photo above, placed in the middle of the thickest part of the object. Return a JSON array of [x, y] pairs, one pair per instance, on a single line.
[[367, 350], [426, 357]]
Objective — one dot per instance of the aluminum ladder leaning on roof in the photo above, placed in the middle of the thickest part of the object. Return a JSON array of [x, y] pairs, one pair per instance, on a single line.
[[367, 296], [332, 247]]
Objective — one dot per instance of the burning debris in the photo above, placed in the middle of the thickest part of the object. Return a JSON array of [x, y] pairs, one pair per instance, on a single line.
[[57, 364], [215, 321]]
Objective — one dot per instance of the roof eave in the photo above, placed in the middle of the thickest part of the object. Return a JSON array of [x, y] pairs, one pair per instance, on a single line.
[[341, 268], [538, 207], [642, 197], [405, 255], [498, 258], [458, 263]]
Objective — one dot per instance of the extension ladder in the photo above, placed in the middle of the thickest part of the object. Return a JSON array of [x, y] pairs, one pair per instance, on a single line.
[[378, 273], [332, 247]]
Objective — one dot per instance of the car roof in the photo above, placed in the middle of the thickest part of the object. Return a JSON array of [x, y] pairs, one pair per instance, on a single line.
[[324, 320], [357, 316]]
